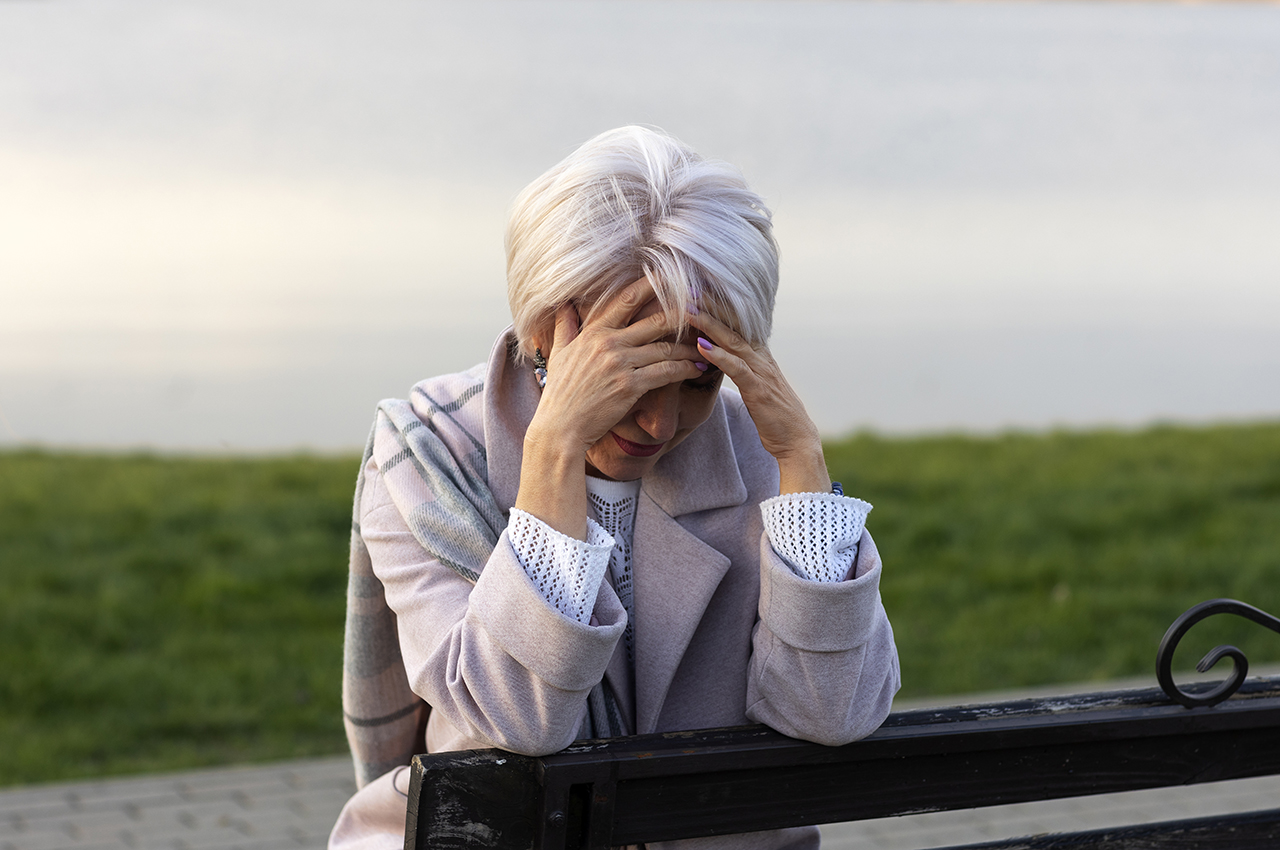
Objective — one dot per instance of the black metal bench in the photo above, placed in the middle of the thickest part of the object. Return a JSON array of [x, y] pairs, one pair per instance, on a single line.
[[648, 788]]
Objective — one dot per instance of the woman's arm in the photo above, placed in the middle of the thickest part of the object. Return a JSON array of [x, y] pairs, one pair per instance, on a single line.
[[824, 666], [500, 661], [785, 429], [496, 660]]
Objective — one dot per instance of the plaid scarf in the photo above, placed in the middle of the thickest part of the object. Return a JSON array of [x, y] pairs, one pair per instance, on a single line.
[[436, 471]]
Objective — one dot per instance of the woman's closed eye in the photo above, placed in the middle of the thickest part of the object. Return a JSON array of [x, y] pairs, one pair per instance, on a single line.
[[707, 381]]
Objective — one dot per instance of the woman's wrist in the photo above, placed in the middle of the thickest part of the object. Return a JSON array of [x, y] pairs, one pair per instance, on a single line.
[[804, 470], [553, 482], [554, 442]]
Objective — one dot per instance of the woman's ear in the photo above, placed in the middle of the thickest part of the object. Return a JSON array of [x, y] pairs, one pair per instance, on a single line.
[[540, 342], [542, 336]]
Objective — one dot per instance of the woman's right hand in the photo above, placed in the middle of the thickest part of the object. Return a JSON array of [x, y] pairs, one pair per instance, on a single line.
[[597, 369]]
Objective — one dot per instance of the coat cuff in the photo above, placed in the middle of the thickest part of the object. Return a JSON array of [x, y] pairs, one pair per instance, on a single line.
[[820, 617], [564, 653]]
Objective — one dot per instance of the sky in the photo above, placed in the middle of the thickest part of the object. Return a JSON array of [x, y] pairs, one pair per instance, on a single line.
[[234, 226]]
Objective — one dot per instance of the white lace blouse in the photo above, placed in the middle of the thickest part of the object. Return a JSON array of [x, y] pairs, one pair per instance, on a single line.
[[816, 534]]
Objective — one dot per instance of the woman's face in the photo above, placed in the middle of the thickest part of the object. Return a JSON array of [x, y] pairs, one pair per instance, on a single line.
[[655, 424]]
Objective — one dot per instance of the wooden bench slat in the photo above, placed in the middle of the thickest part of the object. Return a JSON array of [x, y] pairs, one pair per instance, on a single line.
[[658, 787]]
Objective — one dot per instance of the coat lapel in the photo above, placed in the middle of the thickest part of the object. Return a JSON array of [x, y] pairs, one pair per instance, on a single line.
[[621, 679], [676, 573], [675, 577]]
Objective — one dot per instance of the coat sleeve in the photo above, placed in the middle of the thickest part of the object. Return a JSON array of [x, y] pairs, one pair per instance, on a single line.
[[824, 667], [496, 659]]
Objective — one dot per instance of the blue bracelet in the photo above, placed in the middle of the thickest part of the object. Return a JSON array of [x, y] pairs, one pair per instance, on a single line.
[[837, 488]]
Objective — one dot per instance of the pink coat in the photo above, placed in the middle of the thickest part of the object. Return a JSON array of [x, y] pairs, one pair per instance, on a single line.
[[725, 632]]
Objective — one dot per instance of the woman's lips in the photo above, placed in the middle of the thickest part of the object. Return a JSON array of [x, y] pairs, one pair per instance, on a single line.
[[636, 449]]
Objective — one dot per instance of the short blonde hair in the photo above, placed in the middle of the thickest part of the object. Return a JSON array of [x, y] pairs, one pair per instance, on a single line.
[[635, 202]]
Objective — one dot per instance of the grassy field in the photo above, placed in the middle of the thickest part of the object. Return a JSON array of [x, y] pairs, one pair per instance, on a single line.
[[160, 613], [1024, 560], [165, 613]]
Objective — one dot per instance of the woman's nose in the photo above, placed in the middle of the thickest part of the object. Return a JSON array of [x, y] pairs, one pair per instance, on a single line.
[[658, 412]]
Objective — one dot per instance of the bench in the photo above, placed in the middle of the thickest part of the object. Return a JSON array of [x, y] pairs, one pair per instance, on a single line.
[[647, 788]]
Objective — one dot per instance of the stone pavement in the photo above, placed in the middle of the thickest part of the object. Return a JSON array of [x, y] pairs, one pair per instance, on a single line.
[[282, 806], [292, 805]]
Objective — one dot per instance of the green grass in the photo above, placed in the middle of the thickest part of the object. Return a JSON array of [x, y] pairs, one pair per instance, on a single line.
[[161, 613], [1025, 560], [166, 613]]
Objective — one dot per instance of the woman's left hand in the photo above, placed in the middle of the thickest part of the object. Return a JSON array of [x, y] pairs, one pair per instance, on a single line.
[[784, 425]]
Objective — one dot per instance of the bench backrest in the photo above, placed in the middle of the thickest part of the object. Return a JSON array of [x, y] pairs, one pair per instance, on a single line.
[[711, 782]]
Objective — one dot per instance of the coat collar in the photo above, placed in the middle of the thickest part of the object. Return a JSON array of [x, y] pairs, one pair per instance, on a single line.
[[700, 474], [510, 399]]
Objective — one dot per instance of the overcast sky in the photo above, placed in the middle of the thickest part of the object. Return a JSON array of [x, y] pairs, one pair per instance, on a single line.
[[238, 224]]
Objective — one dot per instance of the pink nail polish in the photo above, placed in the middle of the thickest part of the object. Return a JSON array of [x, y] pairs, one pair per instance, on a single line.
[[705, 344], [702, 367]]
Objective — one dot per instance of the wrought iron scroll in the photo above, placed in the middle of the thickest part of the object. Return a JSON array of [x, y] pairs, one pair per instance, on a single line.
[[1239, 663]]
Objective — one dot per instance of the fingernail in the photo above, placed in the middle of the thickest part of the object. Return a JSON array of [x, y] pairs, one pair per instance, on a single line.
[[705, 344], [702, 367]]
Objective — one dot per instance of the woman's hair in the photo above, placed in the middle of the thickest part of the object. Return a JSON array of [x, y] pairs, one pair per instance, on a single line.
[[631, 203]]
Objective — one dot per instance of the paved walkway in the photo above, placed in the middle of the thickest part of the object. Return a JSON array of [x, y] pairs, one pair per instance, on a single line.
[[282, 806], [292, 805]]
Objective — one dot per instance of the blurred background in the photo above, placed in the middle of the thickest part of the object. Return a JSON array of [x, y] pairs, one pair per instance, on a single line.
[[237, 225], [1030, 292]]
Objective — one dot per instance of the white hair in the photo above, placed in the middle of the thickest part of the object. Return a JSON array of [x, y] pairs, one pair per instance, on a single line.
[[635, 202]]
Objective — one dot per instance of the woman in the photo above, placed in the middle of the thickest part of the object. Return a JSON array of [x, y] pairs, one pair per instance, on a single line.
[[587, 536]]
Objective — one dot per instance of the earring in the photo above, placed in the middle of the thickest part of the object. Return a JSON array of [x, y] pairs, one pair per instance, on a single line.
[[539, 368]]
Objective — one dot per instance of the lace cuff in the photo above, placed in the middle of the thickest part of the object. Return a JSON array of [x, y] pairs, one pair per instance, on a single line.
[[567, 571], [816, 533]]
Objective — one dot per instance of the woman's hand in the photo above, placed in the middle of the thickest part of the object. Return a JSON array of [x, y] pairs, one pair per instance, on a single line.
[[784, 425], [596, 371]]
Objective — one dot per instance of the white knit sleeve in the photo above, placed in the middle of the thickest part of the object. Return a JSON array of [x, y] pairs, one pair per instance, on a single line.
[[816, 533], [567, 571]]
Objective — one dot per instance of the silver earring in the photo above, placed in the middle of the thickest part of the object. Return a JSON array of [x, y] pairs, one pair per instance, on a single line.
[[540, 367]]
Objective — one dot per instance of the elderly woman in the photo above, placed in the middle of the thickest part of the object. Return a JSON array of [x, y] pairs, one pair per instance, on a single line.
[[588, 535]]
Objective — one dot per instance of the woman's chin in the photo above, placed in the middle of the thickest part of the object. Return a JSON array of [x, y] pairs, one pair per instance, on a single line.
[[616, 472], [615, 465]]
